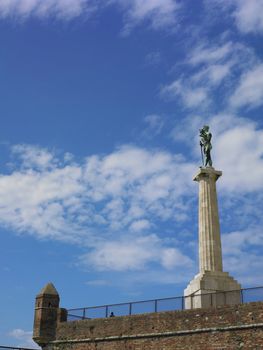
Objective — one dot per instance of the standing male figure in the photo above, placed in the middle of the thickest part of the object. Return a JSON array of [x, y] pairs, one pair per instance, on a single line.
[[206, 145]]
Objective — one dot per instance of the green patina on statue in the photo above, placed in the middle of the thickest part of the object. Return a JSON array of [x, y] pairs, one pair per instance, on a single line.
[[206, 145]]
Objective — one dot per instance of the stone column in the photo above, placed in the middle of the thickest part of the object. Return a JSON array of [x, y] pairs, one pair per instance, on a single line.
[[211, 286], [210, 254]]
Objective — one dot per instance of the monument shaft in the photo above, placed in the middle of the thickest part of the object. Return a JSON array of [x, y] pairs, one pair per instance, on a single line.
[[210, 252]]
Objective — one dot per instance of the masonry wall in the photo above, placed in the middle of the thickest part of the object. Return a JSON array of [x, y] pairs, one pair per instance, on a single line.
[[228, 327]]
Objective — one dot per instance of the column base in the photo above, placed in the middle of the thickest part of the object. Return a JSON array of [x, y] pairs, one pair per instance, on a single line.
[[212, 289]]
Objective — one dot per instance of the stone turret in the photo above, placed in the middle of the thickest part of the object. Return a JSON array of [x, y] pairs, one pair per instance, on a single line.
[[47, 315]]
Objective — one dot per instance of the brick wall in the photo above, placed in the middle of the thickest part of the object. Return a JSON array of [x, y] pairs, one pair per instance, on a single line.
[[228, 327]]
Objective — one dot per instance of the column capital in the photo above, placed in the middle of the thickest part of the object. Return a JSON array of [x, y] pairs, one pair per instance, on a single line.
[[207, 172]]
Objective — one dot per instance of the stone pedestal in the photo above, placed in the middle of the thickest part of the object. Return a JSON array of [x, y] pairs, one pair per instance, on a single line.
[[211, 289], [212, 286]]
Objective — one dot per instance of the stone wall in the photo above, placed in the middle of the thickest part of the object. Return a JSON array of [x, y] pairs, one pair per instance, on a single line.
[[228, 327]]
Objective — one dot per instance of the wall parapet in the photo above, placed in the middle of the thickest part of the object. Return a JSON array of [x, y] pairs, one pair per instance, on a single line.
[[237, 317], [224, 327]]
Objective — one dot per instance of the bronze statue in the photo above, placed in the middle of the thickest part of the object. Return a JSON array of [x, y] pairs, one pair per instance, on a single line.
[[206, 145]]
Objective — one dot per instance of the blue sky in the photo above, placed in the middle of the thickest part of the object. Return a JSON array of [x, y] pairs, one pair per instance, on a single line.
[[101, 102]]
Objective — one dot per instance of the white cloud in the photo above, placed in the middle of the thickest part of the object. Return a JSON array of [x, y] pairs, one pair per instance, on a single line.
[[172, 257], [24, 338], [214, 74], [210, 55], [195, 97], [34, 157], [237, 149], [249, 15], [154, 124], [140, 225], [97, 283], [210, 67], [250, 89], [37, 200], [122, 255], [131, 180], [235, 242], [242, 255], [191, 96], [95, 200], [64, 9], [132, 253], [158, 13], [215, 63]]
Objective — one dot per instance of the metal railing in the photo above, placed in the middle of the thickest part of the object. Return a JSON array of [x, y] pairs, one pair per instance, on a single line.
[[2, 347], [241, 296]]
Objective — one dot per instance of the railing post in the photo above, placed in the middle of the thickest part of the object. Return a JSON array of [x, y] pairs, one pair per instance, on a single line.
[[130, 308], [182, 303], [84, 314], [107, 311], [155, 305], [242, 297]]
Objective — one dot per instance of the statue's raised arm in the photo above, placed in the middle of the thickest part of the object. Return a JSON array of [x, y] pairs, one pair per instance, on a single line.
[[206, 145]]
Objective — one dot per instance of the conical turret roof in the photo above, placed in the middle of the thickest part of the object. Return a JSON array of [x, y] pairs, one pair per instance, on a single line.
[[49, 289]]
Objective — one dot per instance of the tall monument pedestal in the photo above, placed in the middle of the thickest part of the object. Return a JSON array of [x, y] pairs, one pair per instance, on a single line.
[[212, 286]]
